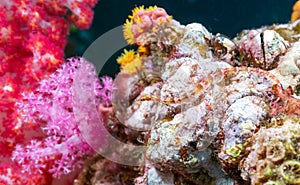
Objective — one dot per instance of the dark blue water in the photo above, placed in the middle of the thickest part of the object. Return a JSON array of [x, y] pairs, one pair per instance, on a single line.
[[227, 17], [218, 16]]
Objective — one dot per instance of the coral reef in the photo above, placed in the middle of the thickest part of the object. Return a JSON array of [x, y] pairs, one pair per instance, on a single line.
[[33, 36], [208, 109], [188, 107]]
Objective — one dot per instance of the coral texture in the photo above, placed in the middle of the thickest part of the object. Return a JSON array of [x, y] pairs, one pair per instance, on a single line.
[[208, 109], [198, 108], [274, 155]]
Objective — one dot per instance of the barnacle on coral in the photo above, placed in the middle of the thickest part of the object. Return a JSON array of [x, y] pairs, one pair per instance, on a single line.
[[261, 49], [235, 151], [264, 171], [275, 151], [290, 146], [290, 171], [278, 148]]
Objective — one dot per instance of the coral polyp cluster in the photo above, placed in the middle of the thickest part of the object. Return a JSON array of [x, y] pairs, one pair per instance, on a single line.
[[144, 21], [274, 155], [206, 108], [130, 61]]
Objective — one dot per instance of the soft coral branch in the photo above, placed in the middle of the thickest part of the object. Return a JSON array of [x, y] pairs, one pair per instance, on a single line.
[[33, 35], [52, 107]]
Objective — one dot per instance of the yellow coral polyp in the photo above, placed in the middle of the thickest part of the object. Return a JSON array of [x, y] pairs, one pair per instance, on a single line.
[[134, 19], [133, 67], [151, 8], [296, 11], [135, 11], [128, 35], [126, 58], [129, 61], [143, 50]]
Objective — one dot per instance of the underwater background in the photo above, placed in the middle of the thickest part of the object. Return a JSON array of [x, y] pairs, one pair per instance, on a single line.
[[226, 17], [210, 107]]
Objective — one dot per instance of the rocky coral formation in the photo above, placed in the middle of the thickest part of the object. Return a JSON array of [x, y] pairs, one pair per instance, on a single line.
[[274, 154], [207, 109]]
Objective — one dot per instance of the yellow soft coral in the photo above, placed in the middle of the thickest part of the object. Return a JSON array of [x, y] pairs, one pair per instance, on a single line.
[[128, 35], [133, 67], [135, 11], [126, 57], [296, 11], [127, 32], [130, 61], [140, 8], [143, 50]]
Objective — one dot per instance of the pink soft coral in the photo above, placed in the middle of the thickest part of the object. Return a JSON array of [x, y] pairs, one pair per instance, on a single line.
[[33, 35], [10, 174], [61, 109]]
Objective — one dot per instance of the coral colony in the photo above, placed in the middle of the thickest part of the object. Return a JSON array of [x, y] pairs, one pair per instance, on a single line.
[[39, 135], [206, 108]]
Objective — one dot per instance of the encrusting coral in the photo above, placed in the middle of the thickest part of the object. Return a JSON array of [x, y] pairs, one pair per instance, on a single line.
[[274, 154], [204, 105]]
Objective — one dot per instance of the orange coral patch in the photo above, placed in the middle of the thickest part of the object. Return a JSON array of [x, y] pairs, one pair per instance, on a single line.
[[296, 11]]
